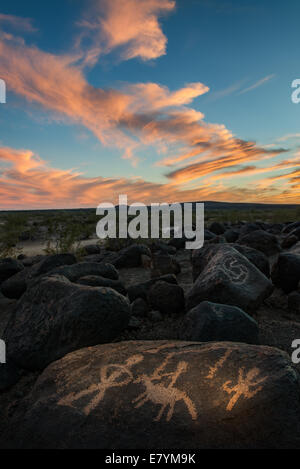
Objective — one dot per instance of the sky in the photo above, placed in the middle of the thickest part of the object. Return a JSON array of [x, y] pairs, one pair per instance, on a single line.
[[161, 100]]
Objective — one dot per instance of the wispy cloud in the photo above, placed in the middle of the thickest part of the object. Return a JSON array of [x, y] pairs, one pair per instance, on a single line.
[[29, 182], [215, 95], [131, 26], [287, 137], [17, 22], [259, 83]]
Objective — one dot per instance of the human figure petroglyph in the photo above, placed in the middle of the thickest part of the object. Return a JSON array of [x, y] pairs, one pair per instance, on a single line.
[[243, 386], [166, 396], [107, 381]]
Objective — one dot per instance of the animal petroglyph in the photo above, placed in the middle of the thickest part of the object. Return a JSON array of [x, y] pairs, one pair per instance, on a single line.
[[166, 396], [245, 386]]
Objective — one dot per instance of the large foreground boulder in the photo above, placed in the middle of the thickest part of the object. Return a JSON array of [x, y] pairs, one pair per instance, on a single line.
[[162, 395], [55, 317], [209, 322], [227, 277]]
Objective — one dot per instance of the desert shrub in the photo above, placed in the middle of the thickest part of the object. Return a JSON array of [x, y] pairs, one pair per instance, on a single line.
[[64, 235], [11, 226]]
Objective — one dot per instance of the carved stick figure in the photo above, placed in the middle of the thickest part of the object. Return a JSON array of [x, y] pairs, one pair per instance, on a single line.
[[107, 381], [242, 388]]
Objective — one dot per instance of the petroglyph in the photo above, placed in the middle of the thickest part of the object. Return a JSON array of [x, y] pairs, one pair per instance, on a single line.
[[235, 271], [213, 369], [107, 381], [230, 266], [118, 375], [166, 396], [243, 386]]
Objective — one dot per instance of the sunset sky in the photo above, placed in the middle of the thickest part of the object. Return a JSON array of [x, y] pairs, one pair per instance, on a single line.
[[162, 100]]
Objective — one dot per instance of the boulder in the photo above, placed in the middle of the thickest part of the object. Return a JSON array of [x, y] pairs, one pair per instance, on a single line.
[[217, 228], [231, 235], [215, 322], [82, 269], [227, 277], [162, 394], [291, 226], [97, 281], [140, 290], [16, 285], [55, 317], [294, 302], [164, 264], [92, 249], [248, 228], [286, 272], [296, 232], [9, 267], [131, 256], [166, 298], [258, 258], [9, 375], [200, 257], [289, 241], [139, 308], [262, 241]]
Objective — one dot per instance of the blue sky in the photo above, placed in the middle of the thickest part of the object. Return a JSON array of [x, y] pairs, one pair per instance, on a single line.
[[246, 53]]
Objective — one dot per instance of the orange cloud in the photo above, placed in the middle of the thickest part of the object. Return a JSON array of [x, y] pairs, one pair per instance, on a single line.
[[131, 25], [28, 182]]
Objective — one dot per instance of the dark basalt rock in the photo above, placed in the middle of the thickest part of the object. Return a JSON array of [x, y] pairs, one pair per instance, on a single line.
[[162, 394], [262, 241], [16, 285], [217, 228], [82, 269], [258, 258], [286, 272], [291, 226], [165, 264], [92, 249], [131, 256], [97, 281], [139, 308], [9, 375], [289, 241], [201, 257], [294, 302], [231, 235], [140, 290], [55, 317], [166, 298], [215, 322], [227, 277], [9, 267]]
